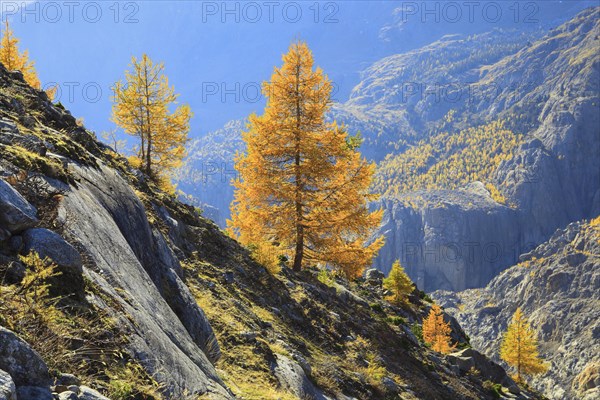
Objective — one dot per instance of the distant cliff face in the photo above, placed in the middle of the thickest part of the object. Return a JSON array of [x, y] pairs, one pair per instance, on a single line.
[[209, 169], [452, 241], [553, 178], [558, 287]]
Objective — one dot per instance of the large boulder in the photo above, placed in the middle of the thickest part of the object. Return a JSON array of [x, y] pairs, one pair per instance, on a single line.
[[293, 379], [50, 244], [489, 370], [16, 214], [170, 335], [8, 390], [24, 364]]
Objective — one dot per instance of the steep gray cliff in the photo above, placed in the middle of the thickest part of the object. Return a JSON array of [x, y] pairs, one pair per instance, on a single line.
[[133, 263], [453, 241], [550, 90], [557, 285]]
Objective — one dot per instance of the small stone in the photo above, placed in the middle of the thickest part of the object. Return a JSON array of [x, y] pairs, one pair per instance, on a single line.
[[249, 336], [266, 324], [68, 380], [389, 384], [67, 395], [74, 388], [87, 393], [228, 277], [8, 390], [60, 388]]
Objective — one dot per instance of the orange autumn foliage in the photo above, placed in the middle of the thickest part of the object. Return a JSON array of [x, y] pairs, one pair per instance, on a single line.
[[303, 185], [436, 332], [142, 107], [13, 60]]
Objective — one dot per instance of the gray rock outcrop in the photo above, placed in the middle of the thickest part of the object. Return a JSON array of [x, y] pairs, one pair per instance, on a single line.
[[557, 285], [47, 243], [21, 362], [16, 214], [293, 379], [462, 240], [489, 370], [104, 216], [8, 390]]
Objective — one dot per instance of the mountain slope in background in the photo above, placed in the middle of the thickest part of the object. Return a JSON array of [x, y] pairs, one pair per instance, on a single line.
[[405, 98], [549, 94], [209, 168], [558, 287]]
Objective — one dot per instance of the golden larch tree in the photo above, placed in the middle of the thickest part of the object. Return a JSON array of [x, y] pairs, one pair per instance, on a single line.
[[519, 347], [142, 108], [398, 283], [15, 60], [302, 184], [436, 331]]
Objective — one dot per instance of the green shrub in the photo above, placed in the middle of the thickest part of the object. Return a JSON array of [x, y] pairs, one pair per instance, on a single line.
[[417, 330], [325, 277], [494, 389], [376, 307], [396, 320], [424, 296]]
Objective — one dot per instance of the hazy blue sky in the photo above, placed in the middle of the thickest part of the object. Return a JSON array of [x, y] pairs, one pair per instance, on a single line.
[[216, 53]]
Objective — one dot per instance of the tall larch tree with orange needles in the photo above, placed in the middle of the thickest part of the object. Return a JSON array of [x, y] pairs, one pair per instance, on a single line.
[[519, 348], [436, 331], [142, 107], [303, 186], [15, 60]]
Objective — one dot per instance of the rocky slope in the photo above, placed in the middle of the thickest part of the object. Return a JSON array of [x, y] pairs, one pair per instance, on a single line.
[[557, 285], [549, 91], [108, 283], [404, 97]]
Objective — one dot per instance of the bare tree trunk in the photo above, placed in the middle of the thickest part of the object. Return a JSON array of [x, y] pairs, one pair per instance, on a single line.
[[299, 253]]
